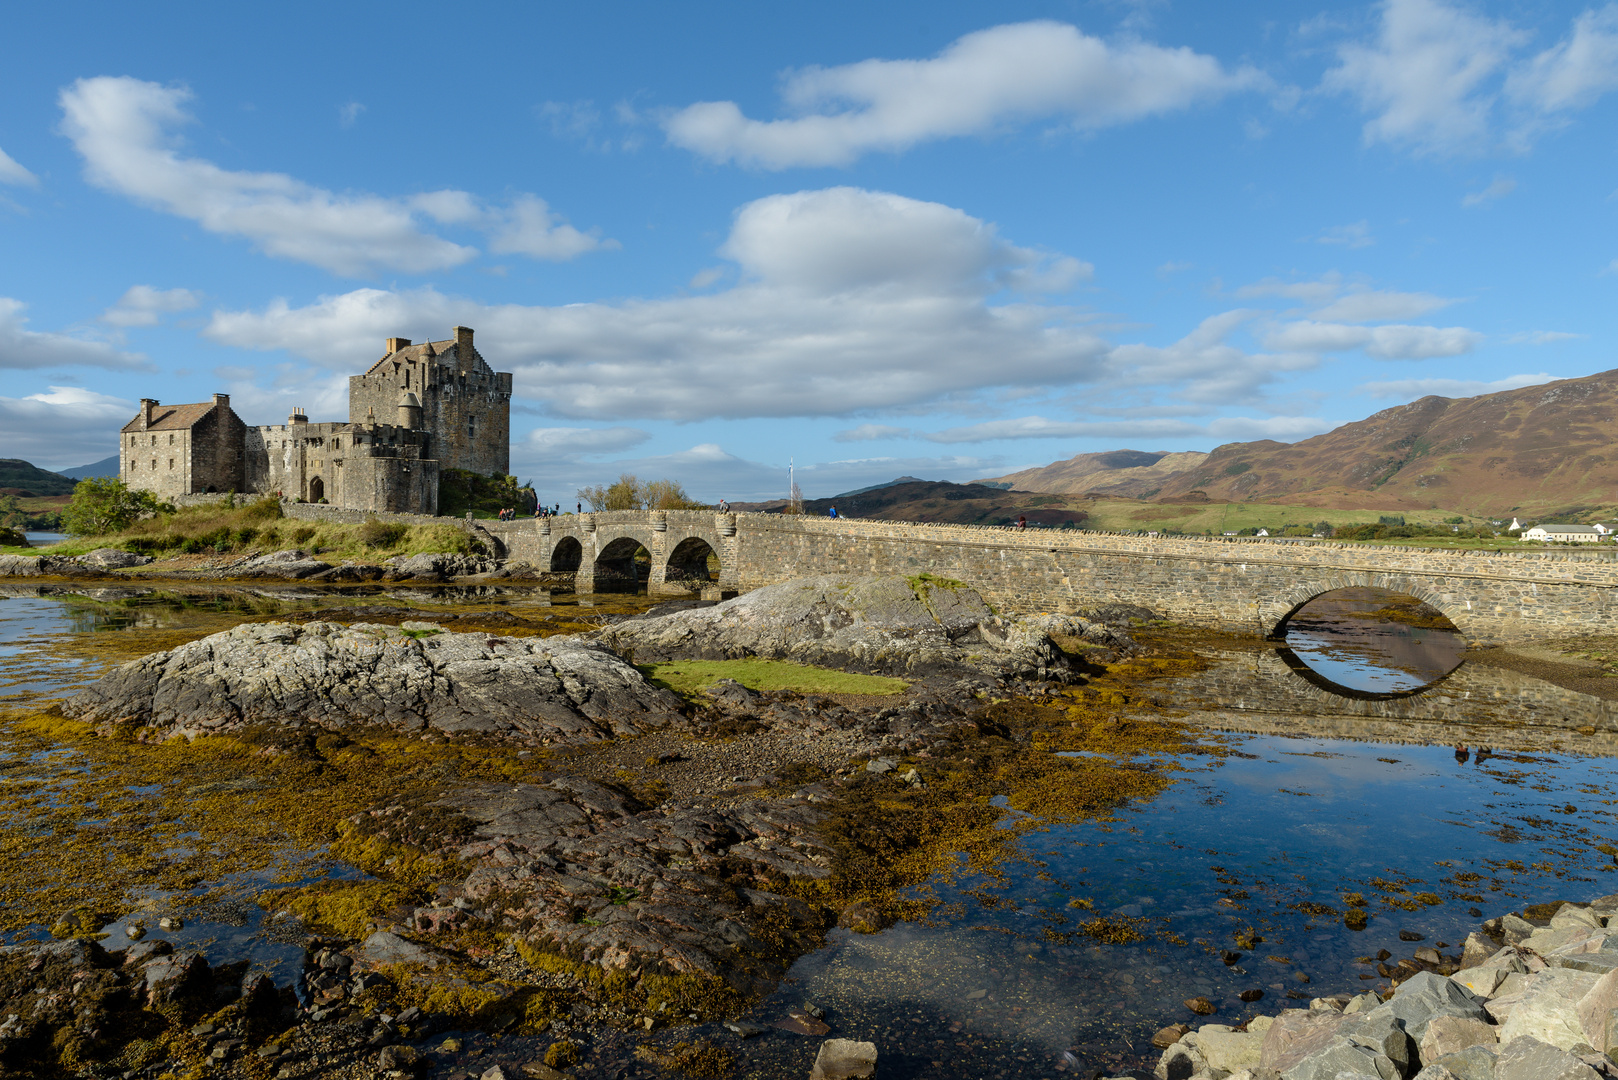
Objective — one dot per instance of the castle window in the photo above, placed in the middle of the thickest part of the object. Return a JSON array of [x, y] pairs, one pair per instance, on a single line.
[[154, 440], [171, 464], [154, 464], [337, 444]]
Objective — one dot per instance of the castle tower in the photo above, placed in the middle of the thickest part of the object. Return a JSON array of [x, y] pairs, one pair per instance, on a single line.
[[464, 405]]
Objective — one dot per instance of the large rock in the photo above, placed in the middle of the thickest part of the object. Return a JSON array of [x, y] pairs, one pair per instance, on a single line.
[[288, 565], [1549, 1009], [438, 566], [1594, 1010], [844, 1059], [553, 689], [1473, 1063], [1452, 1034], [1530, 1059], [888, 625], [1296, 1034], [1226, 1048], [1345, 1059], [47, 566], [1425, 996], [113, 559]]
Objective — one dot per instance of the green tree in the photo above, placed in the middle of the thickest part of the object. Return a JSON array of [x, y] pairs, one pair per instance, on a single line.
[[104, 505], [12, 515], [626, 493]]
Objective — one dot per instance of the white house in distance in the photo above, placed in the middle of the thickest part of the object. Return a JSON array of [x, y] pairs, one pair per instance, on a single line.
[[1577, 534]]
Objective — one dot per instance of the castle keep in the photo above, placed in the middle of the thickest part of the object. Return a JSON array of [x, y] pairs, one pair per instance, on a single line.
[[418, 410]]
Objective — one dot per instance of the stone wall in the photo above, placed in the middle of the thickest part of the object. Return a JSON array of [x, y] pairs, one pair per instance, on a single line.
[[1238, 585]]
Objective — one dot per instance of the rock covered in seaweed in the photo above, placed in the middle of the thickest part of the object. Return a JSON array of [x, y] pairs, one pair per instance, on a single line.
[[333, 676], [883, 624]]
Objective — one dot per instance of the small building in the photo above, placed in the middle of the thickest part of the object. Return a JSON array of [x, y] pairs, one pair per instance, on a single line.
[[1575, 534]]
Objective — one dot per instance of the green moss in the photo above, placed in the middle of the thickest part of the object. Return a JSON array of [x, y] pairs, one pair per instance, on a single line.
[[691, 677]]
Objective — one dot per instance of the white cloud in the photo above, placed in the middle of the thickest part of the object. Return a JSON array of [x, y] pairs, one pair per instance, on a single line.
[[15, 174], [1225, 429], [1380, 306], [1002, 75], [1410, 389], [1425, 78], [1441, 79], [143, 305], [24, 348], [871, 433], [1310, 292], [1542, 337], [66, 427], [1203, 366], [1357, 235], [1499, 189], [1573, 73], [1393, 342], [348, 115], [572, 441], [530, 228], [847, 299], [125, 131]]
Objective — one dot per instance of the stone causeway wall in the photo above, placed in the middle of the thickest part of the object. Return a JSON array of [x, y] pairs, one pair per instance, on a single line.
[[1241, 585]]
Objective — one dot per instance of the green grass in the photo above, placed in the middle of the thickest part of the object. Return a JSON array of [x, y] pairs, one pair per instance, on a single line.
[[689, 677], [1129, 514]]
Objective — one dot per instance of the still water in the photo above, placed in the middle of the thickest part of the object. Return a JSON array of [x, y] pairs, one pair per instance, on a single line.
[[1256, 850]]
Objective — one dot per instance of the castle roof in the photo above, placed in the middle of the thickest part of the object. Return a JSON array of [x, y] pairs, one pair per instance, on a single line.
[[446, 353], [173, 417]]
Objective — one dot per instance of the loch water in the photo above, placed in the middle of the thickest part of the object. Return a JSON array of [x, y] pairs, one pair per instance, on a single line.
[[1265, 840]]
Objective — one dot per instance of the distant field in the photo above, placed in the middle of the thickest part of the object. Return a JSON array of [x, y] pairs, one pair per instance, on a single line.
[[1219, 518]]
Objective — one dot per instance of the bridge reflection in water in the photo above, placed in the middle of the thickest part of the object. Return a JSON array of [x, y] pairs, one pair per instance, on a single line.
[[1370, 644]]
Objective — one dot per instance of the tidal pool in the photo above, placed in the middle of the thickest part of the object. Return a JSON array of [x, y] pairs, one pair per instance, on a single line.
[[1373, 641], [1257, 848]]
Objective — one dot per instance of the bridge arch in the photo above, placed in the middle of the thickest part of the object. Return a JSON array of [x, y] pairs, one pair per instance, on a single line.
[[618, 562], [567, 554], [1277, 611], [692, 562]]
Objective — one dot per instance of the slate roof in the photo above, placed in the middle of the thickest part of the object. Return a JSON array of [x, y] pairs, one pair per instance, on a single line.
[[1570, 529], [172, 417], [445, 353]]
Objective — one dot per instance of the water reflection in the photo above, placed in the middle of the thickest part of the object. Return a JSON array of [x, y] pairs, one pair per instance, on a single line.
[[1373, 642]]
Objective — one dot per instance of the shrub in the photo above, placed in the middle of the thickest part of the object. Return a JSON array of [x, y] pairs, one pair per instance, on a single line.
[[265, 509], [303, 534], [104, 505], [378, 534]]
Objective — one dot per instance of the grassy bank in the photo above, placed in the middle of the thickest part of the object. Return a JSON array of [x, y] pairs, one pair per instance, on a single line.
[[259, 526]]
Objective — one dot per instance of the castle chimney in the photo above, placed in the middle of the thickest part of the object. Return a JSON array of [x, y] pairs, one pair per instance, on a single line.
[[221, 399], [396, 343], [298, 416], [463, 346], [146, 406]]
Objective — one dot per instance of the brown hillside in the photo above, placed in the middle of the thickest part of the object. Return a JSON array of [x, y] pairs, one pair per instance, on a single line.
[[1126, 473], [1539, 448], [940, 501]]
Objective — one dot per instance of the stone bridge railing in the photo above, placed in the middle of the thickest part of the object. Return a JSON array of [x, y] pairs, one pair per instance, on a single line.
[[1236, 584]]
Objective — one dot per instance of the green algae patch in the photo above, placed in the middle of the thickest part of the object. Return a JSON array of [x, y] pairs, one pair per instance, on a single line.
[[104, 823], [691, 677], [349, 908]]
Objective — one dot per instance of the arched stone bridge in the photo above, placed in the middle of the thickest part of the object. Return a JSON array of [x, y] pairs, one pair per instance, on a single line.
[[1233, 584]]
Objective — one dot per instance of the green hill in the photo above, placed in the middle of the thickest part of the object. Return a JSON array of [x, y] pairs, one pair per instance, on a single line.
[[18, 477]]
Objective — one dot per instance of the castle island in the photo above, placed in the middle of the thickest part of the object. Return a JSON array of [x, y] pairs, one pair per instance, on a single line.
[[419, 410]]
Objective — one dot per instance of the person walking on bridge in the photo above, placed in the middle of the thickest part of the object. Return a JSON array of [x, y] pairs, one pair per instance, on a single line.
[[831, 512]]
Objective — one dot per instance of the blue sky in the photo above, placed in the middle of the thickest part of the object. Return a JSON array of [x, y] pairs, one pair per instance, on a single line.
[[943, 239]]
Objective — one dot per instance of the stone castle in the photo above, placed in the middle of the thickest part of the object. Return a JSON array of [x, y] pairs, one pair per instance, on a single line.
[[417, 411]]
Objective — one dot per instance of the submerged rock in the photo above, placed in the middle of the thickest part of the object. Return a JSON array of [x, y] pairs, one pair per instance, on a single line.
[[883, 624], [555, 689]]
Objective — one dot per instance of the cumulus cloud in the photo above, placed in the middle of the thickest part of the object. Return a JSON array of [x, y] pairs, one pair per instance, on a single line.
[[15, 174], [125, 129], [1440, 79], [1224, 429], [1390, 342], [845, 299], [529, 227], [1204, 366], [1002, 75], [21, 347], [64, 427], [1499, 189], [1410, 389], [143, 305], [1333, 299]]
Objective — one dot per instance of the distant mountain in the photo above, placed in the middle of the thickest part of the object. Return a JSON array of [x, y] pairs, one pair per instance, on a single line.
[[875, 487], [18, 477], [105, 467], [908, 499], [1123, 473], [1551, 448]]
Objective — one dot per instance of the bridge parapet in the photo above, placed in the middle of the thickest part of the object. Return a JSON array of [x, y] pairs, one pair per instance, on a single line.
[[1232, 583]]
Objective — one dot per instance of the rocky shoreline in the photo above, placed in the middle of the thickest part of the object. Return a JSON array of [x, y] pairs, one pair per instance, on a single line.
[[290, 564], [1532, 995]]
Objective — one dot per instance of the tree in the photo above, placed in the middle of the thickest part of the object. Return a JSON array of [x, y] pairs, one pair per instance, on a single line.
[[104, 505], [669, 495], [626, 493], [12, 515]]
